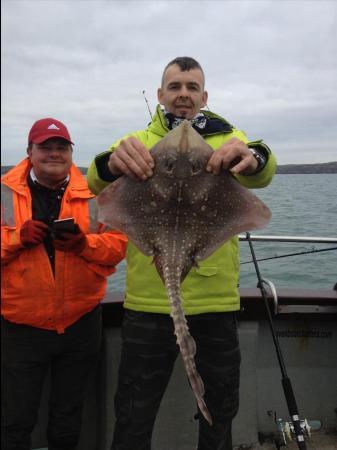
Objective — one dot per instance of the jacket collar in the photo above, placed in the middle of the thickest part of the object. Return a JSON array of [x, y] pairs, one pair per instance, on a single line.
[[16, 179], [158, 125]]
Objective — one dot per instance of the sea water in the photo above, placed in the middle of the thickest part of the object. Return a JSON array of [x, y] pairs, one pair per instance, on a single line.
[[301, 205]]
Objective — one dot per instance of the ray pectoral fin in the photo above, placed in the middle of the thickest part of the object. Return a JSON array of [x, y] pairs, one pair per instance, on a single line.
[[122, 207], [262, 216], [237, 210], [143, 245]]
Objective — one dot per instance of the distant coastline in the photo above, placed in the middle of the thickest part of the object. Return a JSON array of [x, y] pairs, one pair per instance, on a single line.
[[330, 167]]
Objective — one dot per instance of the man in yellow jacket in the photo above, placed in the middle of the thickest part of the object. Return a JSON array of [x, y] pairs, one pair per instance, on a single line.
[[52, 283], [210, 291]]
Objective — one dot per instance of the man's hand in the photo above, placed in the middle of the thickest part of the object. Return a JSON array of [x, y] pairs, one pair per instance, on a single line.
[[131, 158], [33, 232], [72, 242], [233, 155]]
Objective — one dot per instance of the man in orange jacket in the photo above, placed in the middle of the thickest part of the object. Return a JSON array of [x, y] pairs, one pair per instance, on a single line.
[[53, 282]]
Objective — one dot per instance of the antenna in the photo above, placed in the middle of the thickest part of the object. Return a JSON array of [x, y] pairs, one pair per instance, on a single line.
[[147, 103]]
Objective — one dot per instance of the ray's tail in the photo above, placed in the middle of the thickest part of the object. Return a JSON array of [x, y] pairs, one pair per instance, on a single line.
[[186, 344]]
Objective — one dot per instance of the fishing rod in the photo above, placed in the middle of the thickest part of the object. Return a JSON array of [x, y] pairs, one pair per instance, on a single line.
[[147, 104], [286, 383], [315, 250]]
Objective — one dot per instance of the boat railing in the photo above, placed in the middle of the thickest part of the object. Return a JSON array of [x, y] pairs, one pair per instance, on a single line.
[[283, 300], [305, 239], [289, 301]]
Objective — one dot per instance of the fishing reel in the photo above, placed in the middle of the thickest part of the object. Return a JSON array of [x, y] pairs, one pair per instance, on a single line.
[[286, 432]]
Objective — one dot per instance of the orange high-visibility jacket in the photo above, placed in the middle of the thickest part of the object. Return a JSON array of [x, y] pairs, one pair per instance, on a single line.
[[30, 293]]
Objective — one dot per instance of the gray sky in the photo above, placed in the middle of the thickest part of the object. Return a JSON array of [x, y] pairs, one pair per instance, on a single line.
[[271, 69]]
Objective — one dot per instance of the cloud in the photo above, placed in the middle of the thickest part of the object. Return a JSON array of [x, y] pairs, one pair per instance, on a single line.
[[270, 69]]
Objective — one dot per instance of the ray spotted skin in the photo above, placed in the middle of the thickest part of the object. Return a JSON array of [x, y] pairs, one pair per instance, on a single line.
[[180, 216]]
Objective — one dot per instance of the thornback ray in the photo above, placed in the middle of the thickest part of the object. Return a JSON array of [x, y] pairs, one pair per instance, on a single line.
[[180, 216]]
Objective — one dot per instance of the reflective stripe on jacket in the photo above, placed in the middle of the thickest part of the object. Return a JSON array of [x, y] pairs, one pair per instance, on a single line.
[[31, 294], [213, 286]]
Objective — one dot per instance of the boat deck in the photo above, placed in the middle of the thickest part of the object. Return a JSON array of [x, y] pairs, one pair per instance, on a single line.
[[306, 326]]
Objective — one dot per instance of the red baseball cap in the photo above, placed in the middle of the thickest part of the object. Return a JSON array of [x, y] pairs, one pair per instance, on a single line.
[[44, 129]]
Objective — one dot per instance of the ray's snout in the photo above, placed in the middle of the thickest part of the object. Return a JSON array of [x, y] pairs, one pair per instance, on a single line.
[[182, 153]]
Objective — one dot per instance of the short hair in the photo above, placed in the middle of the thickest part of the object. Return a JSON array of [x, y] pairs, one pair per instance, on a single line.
[[185, 63]]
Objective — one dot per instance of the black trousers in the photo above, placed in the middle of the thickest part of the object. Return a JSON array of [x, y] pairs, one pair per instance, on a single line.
[[27, 355], [149, 351]]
